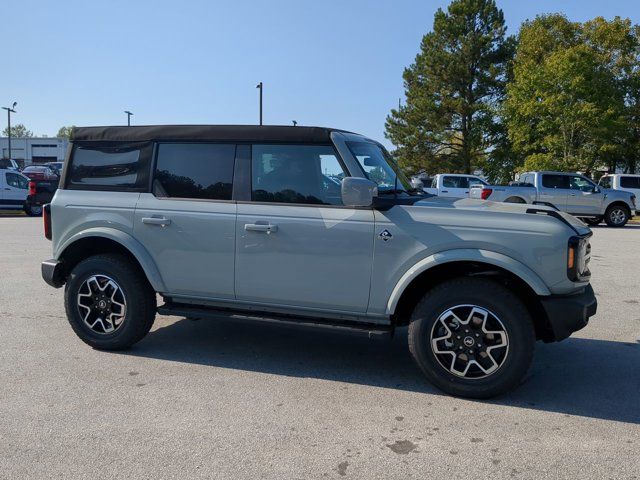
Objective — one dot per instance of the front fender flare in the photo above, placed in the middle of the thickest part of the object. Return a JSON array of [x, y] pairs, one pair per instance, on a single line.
[[127, 241], [469, 255]]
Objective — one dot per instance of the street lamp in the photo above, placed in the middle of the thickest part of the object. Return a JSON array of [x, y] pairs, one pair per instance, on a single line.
[[9, 110], [259, 86], [295, 123], [128, 117]]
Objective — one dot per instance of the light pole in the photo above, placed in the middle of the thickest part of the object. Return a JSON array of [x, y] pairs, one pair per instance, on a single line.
[[9, 110], [295, 123], [128, 117], [259, 86]]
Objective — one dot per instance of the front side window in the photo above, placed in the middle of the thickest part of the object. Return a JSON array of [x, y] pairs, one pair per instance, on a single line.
[[455, 182], [310, 174], [17, 181], [555, 181], [629, 182], [194, 170], [105, 166], [581, 183]]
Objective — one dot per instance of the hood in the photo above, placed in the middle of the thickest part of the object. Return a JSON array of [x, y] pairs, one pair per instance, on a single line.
[[485, 206]]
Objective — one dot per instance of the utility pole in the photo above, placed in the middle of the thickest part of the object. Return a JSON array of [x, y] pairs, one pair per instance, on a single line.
[[9, 111], [259, 86], [128, 117]]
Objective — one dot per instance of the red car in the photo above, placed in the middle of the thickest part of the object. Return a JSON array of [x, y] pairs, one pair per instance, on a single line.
[[36, 172]]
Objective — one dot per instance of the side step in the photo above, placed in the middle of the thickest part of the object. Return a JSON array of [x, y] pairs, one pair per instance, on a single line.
[[188, 311]]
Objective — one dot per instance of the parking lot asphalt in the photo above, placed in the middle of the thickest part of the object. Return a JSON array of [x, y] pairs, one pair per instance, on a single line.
[[228, 399]]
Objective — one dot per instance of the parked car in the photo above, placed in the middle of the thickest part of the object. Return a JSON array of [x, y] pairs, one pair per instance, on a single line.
[[8, 164], [18, 192], [40, 172], [56, 167], [568, 192], [621, 181], [453, 185], [240, 221]]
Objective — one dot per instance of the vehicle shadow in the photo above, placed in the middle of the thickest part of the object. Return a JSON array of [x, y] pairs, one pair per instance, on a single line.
[[590, 378]]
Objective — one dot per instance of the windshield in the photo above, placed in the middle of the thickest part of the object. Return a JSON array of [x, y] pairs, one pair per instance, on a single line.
[[379, 167]]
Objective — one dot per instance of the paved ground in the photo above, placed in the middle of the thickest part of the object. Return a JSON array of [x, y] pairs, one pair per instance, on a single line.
[[216, 399]]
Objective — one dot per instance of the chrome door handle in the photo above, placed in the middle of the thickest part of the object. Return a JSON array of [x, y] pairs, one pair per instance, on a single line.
[[260, 227], [163, 222]]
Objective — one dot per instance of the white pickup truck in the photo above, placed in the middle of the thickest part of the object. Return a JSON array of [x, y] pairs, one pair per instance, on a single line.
[[453, 185], [569, 192]]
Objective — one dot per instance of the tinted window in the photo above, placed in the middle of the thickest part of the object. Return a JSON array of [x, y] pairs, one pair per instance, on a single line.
[[455, 182], [581, 183], [192, 170], [605, 182], [555, 181], [17, 181], [105, 167], [296, 174], [629, 182]]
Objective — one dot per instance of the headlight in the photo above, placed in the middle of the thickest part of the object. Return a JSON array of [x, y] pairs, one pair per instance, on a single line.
[[578, 257]]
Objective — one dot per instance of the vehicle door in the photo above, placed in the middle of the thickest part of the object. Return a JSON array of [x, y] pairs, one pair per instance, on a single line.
[[297, 245], [554, 190], [187, 222], [584, 196], [15, 189], [455, 186]]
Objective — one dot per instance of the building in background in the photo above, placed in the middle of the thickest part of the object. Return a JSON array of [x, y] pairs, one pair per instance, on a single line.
[[29, 151]]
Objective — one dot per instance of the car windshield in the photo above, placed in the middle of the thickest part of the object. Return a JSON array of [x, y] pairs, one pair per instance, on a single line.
[[379, 167]]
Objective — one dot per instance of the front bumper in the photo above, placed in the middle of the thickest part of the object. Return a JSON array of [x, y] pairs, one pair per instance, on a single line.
[[52, 273], [569, 313]]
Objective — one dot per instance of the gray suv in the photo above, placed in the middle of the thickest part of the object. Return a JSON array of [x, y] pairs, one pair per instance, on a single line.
[[313, 226]]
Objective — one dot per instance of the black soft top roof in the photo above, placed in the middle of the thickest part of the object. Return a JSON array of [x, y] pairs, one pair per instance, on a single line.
[[239, 133]]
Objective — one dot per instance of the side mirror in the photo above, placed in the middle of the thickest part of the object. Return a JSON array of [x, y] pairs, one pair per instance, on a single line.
[[358, 192]]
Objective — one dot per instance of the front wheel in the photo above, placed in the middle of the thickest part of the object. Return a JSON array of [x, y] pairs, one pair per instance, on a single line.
[[109, 302], [617, 216], [472, 337]]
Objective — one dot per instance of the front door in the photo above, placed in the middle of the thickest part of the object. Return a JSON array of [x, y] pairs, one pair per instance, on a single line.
[[583, 198], [297, 246], [14, 190], [188, 223]]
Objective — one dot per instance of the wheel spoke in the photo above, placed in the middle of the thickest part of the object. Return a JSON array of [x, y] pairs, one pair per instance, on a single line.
[[101, 304]]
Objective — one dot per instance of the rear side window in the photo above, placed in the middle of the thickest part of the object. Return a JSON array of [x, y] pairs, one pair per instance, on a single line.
[[108, 167], [555, 181], [194, 170], [630, 182]]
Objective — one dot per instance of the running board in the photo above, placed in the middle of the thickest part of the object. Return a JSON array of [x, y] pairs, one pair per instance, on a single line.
[[182, 310]]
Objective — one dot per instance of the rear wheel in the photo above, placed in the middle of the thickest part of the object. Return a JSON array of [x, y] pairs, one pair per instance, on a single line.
[[515, 200], [617, 216], [109, 302], [33, 210], [472, 338]]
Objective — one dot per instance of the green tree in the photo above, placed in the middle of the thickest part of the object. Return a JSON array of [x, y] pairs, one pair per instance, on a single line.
[[566, 106], [453, 91], [65, 132], [18, 131]]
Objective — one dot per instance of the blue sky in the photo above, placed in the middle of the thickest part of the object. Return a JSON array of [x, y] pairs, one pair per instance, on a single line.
[[328, 63]]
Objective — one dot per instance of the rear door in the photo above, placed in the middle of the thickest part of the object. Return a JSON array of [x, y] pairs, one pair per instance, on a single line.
[[554, 190], [297, 245], [187, 222]]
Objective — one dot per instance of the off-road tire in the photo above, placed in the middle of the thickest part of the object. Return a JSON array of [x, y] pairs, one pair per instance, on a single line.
[[486, 294], [138, 293]]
